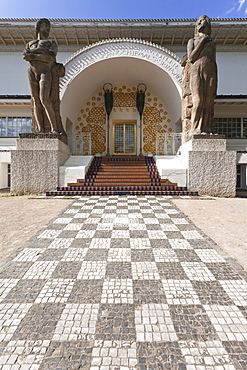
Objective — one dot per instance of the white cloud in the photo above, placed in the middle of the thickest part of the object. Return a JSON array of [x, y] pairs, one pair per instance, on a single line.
[[241, 3], [230, 10]]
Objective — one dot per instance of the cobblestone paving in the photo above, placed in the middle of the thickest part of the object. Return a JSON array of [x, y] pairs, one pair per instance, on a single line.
[[122, 283]]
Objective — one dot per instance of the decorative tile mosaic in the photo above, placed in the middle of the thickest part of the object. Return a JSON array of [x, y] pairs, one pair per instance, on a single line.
[[121, 283]]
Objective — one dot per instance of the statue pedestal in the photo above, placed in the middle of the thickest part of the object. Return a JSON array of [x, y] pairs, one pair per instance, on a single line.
[[35, 163], [211, 168]]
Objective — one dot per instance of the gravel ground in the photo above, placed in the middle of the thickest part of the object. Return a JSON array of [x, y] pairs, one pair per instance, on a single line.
[[224, 220], [22, 217]]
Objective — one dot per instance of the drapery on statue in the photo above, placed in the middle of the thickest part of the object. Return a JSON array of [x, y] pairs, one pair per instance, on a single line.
[[199, 81], [43, 79]]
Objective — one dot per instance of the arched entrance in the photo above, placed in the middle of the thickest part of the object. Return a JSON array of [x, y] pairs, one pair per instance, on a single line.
[[125, 64]]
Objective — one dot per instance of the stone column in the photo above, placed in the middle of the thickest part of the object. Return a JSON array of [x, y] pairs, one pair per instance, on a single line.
[[211, 168], [35, 163]]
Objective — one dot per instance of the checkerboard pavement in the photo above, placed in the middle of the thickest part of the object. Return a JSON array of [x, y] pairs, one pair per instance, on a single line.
[[122, 283]]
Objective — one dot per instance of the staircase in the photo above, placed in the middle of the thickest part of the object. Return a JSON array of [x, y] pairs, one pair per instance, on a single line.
[[119, 175]]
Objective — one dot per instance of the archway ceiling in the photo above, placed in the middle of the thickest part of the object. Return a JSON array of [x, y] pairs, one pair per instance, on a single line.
[[120, 70]]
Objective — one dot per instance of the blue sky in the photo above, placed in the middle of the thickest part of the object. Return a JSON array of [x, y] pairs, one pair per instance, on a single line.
[[123, 9]]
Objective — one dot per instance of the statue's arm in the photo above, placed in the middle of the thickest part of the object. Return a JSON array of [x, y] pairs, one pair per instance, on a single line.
[[194, 51], [40, 53]]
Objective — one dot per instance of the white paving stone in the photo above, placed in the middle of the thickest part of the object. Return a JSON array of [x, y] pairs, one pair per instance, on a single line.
[[61, 243], [164, 255], [92, 270], [140, 243], [180, 292], [55, 291], [11, 315], [75, 254], [77, 322], [5, 287], [209, 256], [29, 254], [154, 324], [197, 271], [119, 255], [180, 244], [41, 270], [117, 291], [144, 271], [237, 291], [228, 321]]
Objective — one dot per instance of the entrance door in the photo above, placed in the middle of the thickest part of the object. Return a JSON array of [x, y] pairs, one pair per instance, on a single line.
[[124, 138]]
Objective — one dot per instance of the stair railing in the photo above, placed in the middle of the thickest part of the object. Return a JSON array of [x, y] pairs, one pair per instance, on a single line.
[[80, 144], [168, 143]]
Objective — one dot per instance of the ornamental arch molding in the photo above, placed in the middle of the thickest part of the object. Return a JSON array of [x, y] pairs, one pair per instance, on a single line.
[[116, 60]]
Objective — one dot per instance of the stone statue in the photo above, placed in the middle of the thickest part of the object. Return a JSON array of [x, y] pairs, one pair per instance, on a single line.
[[199, 81], [43, 78]]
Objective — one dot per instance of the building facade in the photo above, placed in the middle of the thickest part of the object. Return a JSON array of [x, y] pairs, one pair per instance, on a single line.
[[123, 53]]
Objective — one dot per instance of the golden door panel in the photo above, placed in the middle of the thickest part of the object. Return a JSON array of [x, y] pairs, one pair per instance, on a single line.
[[124, 138]]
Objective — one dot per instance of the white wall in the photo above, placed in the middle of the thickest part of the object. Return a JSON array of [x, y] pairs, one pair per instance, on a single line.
[[232, 72], [13, 72], [4, 161]]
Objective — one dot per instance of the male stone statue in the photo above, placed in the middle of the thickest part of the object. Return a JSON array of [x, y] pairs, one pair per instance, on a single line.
[[43, 78], [200, 80]]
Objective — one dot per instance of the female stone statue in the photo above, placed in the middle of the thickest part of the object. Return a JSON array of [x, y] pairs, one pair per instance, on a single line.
[[201, 52]]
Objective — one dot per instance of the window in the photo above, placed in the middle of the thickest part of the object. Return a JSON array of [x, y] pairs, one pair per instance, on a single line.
[[231, 127], [13, 126]]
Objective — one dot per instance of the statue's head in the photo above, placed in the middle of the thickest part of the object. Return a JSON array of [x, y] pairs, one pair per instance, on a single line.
[[40, 23], [203, 25]]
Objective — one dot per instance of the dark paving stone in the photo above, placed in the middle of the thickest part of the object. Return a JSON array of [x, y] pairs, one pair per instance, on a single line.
[[89, 227], [153, 227], [148, 215], [184, 227], [37, 243], [160, 356], [148, 291], [121, 227], [81, 243], [68, 234], [139, 255], [192, 323], [211, 293], [86, 291], [66, 270], [120, 243], [14, 270], [223, 271], [138, 234], [102, 234], [57, 226], [238, 353], [243, 311], [53, 254], [96, 255], [160, 243], [187, 255], [68, 356], [25, 291], [116, 322], [171, 270], [39, 323], [118, 270], [173, 235], [201, 244]]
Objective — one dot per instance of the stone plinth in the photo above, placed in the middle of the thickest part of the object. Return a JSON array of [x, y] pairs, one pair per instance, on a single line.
[[35, 164], [211, 168]]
